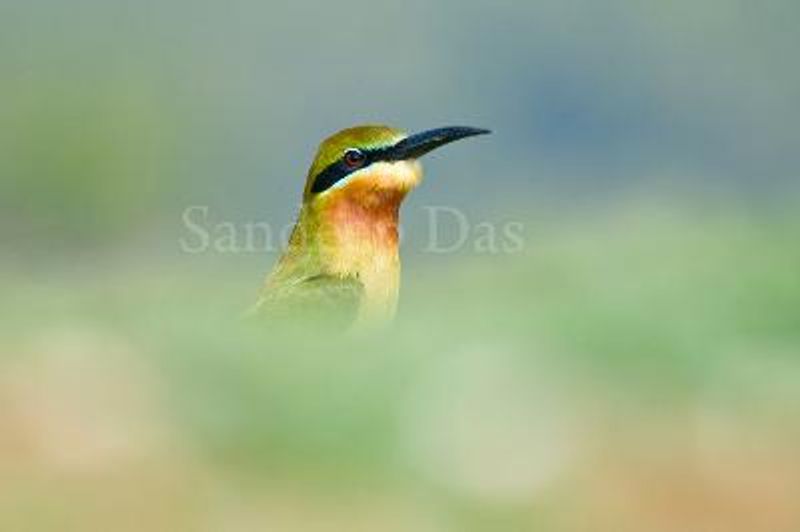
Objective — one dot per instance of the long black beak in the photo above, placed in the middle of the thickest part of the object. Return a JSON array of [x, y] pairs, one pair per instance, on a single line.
[[419, 144]]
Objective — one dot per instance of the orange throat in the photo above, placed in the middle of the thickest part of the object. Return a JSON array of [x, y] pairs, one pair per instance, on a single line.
[[359, 232]]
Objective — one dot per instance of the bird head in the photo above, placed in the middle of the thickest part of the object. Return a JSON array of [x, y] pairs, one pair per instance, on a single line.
[[373, 164]]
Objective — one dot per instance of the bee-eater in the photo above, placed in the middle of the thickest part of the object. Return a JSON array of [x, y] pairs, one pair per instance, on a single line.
[[342, 260]]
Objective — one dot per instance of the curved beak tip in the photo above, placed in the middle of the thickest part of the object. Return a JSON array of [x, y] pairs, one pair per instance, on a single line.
[[419, 144]]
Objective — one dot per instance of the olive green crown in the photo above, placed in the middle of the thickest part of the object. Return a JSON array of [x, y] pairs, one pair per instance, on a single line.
[[365, 137]]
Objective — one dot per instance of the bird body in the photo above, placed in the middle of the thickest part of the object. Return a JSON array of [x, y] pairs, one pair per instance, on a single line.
[[342, 261]]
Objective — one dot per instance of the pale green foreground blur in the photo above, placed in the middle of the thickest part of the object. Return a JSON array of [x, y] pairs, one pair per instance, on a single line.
[[634, 367]]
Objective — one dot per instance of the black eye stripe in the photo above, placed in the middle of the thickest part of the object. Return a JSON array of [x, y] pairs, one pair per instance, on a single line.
[[339, 169]]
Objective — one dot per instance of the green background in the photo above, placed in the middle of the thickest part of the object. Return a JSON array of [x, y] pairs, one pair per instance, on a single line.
[[634, 366]]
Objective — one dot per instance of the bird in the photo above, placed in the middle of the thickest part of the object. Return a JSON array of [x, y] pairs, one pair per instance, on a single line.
[[342, 261]]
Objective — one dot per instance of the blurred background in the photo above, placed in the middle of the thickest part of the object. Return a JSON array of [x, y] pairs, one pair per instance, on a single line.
[[633, 365]]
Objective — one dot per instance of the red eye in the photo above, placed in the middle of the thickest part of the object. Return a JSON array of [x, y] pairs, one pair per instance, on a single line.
[[354, 158]]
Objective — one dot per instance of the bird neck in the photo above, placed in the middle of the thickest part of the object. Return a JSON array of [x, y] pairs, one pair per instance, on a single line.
[[359, 232], [356, 235]]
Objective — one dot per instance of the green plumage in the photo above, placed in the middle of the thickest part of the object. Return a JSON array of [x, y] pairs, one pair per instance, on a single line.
[[319, 297], [342, 263]]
